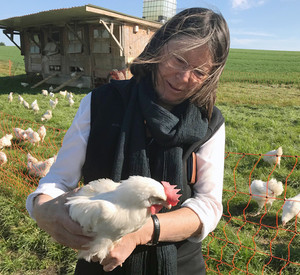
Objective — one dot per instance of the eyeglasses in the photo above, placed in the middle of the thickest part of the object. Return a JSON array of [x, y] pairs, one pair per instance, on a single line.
[[177, 62]]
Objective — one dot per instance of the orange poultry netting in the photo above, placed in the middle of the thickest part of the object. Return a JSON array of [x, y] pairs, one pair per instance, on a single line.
[[255, 243], [14, 174], [245, 242]]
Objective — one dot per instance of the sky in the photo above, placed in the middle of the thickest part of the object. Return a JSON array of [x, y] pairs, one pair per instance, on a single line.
[[253, 24]]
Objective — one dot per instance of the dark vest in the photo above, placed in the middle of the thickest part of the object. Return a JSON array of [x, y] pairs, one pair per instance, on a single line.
[[108, 105]]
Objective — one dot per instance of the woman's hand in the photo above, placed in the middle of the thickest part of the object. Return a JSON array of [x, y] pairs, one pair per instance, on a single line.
[[120, 252], [53, 217]]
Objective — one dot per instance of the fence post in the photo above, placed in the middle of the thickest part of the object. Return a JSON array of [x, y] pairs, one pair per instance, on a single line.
[[9, 66]]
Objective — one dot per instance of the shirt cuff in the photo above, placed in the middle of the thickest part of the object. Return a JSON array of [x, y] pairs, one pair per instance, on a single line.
[[52, 192]]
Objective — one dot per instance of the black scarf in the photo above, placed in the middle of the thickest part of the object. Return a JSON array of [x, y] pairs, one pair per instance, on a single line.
[[172, 133]]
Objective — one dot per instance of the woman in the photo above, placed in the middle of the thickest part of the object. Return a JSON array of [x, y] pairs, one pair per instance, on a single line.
[[147, 126]]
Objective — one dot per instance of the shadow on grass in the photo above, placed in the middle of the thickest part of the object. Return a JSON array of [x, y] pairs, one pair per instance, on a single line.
[[13, 84]]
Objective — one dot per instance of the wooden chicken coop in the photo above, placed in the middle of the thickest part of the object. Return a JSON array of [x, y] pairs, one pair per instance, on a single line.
[[78, 46]]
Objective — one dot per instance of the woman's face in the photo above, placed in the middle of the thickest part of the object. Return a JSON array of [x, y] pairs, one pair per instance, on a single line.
[[181, 72]]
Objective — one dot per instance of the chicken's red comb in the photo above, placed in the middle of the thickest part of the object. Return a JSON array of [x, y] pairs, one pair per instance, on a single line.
[[171, 192]]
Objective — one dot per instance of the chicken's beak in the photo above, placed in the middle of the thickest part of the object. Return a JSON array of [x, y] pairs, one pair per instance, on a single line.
[[168, 206]]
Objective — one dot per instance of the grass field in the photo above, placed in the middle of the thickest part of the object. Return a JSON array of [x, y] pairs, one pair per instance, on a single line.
[[11, 53], [259, 98]]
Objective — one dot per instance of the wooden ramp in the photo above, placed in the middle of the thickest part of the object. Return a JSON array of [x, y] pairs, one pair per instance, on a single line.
[[44, 80], [67, 82]]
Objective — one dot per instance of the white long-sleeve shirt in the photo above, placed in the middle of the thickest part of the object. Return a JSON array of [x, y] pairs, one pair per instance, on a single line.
[[65, 173]]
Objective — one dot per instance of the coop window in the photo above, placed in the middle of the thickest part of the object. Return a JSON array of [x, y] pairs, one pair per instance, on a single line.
[[53, 42], [34, 44], [75, 45], [101, 43]]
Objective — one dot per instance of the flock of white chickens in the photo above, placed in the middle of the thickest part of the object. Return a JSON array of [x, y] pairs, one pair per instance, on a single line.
[[265, 193], [37, 168], [53, 101]]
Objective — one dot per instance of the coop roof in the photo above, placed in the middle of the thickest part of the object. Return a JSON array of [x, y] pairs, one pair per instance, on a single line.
[[79, 14]]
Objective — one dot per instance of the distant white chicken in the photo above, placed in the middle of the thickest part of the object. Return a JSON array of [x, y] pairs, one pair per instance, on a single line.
[[20, 99], [38, 168], [10, 97], [35, 106], [112, 210], [28, 131], [69, 95], [6, 141], [33, 103], [272, 156], [26, 104], [31, 158], [51, 94], [79, 85], [44, 92], [24, 84], [259, 190], [19, 133], [33, 137], [71, 101], [63, 93], [291, 209], [3, 158], [47, 115], [53, 103], [42, 132]]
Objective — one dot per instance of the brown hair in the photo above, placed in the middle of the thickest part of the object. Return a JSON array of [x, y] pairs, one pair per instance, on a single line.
[[199, 26]]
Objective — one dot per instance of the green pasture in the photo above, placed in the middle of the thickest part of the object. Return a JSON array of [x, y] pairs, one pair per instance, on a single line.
[[259, 96]]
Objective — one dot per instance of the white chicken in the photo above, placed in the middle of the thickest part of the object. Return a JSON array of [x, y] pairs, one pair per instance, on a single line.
[[47, 115], [53, 103], [291, 209], [63, 93], [265, 192], [6, 141], [20, 99], [35, 106], [272, 156], [19, 133], [33, 137], [112, 210], [10, 97], [79, 85], [44, 92], [3, 158], [28, 131], [24, 84], [51, 94], [71, 101], [38, 168], [69, 95], [42, 132], [25, 104]]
